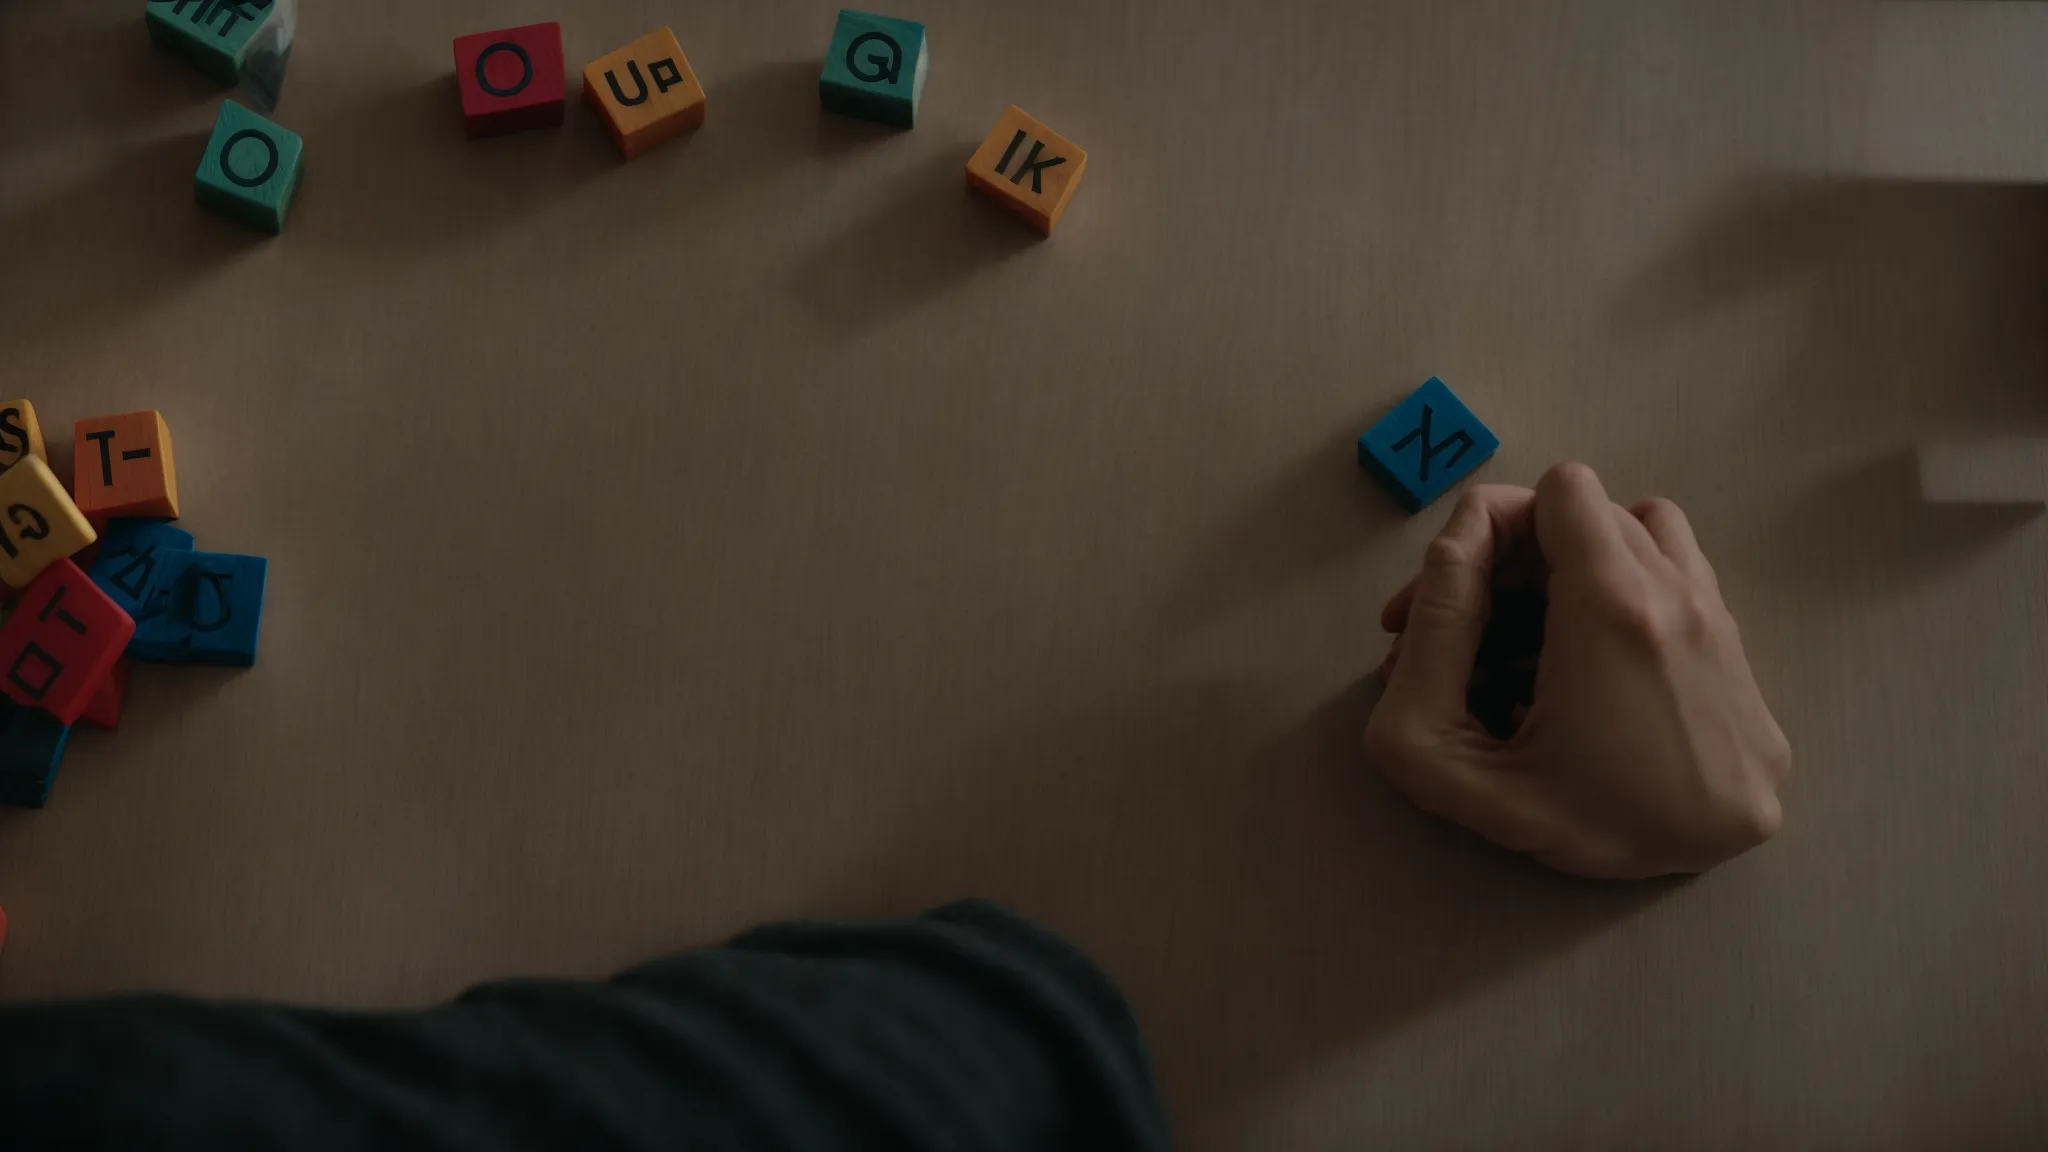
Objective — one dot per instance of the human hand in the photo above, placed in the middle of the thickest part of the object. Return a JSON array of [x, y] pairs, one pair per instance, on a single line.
[[1646, 748]]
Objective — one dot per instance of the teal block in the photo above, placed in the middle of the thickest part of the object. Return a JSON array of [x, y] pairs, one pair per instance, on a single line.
[[212, 35], [875, 68], [1429, 442], [202, 608], [31, 747], [250, 168]]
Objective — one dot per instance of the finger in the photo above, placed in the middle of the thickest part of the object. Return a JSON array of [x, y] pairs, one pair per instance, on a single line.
[[1668, 526], [1521, 531], [1574, 522], [1394, 617], [1448, 611], [1393, 657]]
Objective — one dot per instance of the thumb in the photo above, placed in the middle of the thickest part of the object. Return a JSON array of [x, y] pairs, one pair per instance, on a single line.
[[1447, 617]]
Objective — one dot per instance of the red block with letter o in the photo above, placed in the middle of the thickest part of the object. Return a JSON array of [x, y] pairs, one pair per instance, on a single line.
[[511, 80]]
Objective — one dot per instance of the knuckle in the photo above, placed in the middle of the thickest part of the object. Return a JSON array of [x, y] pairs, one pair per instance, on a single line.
[[1573, 472], [1638, 620], [1777, 756], [1447, 553], [1660, 508], [1760, 818], [1391, 748]]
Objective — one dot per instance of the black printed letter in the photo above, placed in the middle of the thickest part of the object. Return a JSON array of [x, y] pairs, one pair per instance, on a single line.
[[483, 81], [633, 70], [106, 438], [887, 68], [1461, 438]]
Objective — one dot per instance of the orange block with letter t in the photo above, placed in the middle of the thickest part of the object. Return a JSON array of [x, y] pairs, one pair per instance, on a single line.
[[123, 467]]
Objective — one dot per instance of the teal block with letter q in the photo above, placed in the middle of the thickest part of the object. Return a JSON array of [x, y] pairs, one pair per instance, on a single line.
[[875, 68]]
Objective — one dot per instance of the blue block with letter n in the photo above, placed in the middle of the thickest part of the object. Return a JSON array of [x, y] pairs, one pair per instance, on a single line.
[[1429, 442]]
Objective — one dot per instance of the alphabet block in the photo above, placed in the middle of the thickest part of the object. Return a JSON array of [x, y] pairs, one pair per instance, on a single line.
[[130, 551], [20, 433], [31, 748], [39, 525], [875, 68], [645, 92], [202, 608], [122, 466], [214, 36], [61, 642], [1429, 442], [104, 709], [250, 168], [1028, 168], [511, 80]]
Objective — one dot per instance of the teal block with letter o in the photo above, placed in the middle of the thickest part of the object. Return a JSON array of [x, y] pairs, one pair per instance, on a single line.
[[875, 68], [250, 169]]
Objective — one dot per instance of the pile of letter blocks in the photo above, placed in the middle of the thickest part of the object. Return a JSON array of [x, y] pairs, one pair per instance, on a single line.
[[144, 594]]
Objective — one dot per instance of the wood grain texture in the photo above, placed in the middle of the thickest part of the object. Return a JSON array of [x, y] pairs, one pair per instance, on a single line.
[[894, 554]]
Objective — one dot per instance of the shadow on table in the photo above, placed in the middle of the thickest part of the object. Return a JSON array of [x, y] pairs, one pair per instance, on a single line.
[[1321, 510], [1924, 316], [1265, 900], [147, 238], [928, 237]]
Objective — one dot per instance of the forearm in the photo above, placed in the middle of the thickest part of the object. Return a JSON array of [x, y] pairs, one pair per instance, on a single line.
[[967, 1028]]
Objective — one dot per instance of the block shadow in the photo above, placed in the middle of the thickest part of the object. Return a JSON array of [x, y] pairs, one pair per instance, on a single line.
[[927, 237], [132, 81], [1865, 529], [1320, 510], [397, 173], [151, 240], [1263, 898]]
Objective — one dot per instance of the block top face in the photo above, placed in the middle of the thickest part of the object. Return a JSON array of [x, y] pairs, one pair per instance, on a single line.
[[880, 54], [1027, 162], [1428, 442], [645, 82], [248, 156], [510, 68]]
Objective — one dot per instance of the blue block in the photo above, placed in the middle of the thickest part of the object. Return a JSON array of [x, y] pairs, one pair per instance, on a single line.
[[1429, 442], [875, 68], [130, 551], [31, 747], [203, 608]]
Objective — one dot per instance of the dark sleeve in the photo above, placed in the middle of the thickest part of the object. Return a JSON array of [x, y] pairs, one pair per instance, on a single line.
[[969, 1028]]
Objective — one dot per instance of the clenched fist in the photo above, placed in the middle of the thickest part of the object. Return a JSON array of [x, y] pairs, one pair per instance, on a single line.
[[1642, 748]]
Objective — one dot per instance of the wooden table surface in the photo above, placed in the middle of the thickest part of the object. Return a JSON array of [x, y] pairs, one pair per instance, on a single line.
[[768, 528]]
